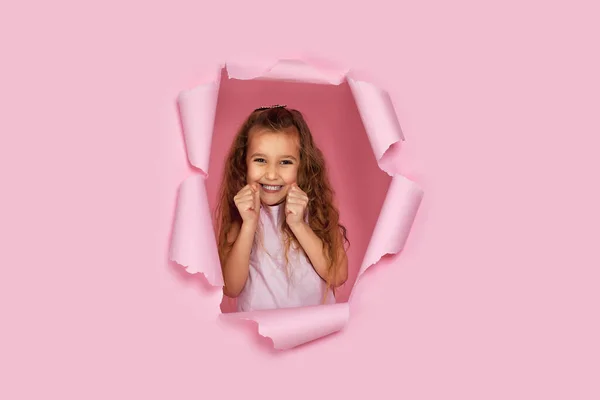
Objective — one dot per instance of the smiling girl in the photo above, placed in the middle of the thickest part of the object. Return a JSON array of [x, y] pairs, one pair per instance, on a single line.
[[279, 238]]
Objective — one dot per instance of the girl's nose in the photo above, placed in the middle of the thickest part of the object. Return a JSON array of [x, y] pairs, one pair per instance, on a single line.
[[271, 172]]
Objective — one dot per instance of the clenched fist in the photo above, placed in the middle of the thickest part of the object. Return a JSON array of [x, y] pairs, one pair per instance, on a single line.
[[247, 201], [295, 205]]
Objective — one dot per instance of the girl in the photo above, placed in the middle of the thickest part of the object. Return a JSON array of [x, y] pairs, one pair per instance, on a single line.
[[279, 238]]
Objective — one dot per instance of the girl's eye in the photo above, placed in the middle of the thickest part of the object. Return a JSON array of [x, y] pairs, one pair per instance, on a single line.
[[262, 160]]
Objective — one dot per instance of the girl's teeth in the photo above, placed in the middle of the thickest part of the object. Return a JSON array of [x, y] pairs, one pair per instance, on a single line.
[[271, 187]]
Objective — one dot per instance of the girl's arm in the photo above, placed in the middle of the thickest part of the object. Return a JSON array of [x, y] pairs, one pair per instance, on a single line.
[[237, 260], [313, 247]]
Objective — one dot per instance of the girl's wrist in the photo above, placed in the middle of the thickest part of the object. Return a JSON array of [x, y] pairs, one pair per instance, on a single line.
[[297, 225], [249, 227]]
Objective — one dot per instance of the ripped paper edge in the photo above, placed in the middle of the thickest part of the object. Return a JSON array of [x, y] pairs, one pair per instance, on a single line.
[[383, 129]]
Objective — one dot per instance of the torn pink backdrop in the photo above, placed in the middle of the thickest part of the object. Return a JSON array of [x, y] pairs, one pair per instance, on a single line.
[[494, 297], [355, 125]]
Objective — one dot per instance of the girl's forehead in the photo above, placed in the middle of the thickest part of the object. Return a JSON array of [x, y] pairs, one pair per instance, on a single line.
[[268, 140]]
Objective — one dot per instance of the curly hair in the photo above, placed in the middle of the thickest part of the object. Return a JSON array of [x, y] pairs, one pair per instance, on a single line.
[[312, 179]]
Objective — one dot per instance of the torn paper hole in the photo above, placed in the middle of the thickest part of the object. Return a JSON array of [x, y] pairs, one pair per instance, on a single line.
[[354, 124]]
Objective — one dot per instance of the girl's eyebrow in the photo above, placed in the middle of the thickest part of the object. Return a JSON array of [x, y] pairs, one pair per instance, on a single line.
[[263, 155]]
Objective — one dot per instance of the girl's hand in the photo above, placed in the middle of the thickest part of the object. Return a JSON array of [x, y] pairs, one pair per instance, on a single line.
[[247, 201], [295, 205]]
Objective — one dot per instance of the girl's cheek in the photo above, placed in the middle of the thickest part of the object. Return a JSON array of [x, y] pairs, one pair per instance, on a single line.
[[253, 174], [292, 176]]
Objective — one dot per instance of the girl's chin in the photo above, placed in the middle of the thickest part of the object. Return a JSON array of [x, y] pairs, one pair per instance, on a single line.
[[270, 202], [272, 199]]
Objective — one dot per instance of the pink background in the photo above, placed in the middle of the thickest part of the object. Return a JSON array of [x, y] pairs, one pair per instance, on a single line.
[[495, 296]]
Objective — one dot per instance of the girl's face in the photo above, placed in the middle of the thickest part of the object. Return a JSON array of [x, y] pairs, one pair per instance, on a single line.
[[272, 161]]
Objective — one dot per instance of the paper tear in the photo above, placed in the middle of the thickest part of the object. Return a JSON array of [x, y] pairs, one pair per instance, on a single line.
[[394, 222], [197, 108], [287, 70], [291, 327], [378, 116], [193, 242]]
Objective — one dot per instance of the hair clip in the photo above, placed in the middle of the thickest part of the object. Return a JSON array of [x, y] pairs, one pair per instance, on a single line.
[[274, 106]]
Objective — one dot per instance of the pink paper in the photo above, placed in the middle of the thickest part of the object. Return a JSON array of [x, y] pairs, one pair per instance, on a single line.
[[193, 242], [395, 219], [197, 108], [292, 327], [378, 116], [291, 70]]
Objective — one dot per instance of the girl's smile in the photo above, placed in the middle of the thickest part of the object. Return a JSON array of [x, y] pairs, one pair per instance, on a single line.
[[271, 188]]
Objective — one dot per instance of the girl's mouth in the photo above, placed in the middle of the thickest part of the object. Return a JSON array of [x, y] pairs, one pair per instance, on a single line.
[[271, 188]]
